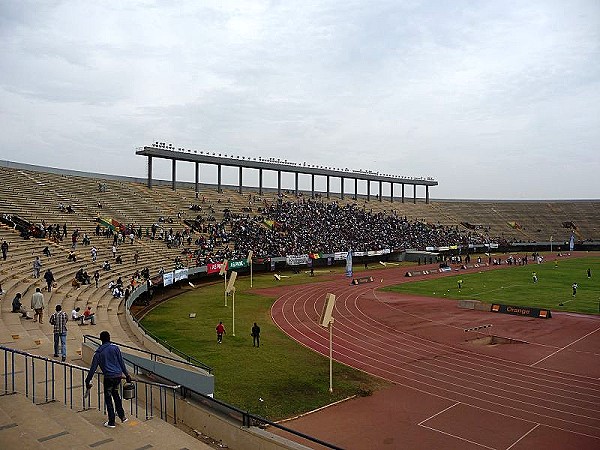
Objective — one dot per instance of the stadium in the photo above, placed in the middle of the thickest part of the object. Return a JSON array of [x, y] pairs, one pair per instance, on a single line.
[[300, 225], [412, 370]]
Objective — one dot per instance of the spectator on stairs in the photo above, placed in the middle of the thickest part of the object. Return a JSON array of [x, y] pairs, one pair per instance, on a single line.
[[49, 277], [17, 306]]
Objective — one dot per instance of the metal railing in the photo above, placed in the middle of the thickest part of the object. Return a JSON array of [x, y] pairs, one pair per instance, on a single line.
[[153, 356], [57, 375]]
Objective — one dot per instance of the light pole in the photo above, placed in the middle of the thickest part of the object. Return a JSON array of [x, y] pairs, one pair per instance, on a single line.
[[231, 288], [326, 321]]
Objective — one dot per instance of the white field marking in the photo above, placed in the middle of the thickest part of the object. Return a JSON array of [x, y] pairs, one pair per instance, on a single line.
[[431, 385], [499, 289], [438, 413], [393, 377], [458, 437], [517, 441], [480, 357], [568, 345]]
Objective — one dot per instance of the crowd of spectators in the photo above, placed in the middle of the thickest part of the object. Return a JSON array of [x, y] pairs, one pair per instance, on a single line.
[[308, 226]]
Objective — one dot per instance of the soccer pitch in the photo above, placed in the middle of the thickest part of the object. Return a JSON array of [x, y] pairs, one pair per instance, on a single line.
[[514, 285]]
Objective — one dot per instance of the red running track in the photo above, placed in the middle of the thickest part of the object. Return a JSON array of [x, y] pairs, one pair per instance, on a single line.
[[450, 391]]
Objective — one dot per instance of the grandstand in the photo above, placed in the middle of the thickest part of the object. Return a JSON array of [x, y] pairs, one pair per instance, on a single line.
[[35, 195]]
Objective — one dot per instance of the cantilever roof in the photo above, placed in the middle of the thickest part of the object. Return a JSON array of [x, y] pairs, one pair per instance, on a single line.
[[276, 165]]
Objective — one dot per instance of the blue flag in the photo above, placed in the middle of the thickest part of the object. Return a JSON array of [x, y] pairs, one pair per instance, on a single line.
[[572, 242], [349, 264]]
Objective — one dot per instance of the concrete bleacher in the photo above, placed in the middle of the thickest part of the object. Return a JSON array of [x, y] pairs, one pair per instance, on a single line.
[[35, 196]]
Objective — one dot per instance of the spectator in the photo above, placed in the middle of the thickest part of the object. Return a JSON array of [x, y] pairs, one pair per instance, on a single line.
[[37, 267], [89, 315], [17, 306], [46, 251], [37, 304], [72, 256], [59, 321], [49, 277], [4, 248]]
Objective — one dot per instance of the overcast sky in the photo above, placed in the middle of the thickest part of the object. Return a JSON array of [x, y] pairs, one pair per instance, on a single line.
[[494, 99]]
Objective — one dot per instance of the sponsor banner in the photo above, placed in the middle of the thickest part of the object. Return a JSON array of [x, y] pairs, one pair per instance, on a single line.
[[167, 278], [522, 311], [238, 264], [359, 253], [493, 245], [443, 249], [445, 269], [213, 268], [296, 260], [180, 274], [340, 256], [430, 249]]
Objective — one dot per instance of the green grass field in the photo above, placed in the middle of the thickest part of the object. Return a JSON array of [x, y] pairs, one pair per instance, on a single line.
[[514, 285], [288, 377]]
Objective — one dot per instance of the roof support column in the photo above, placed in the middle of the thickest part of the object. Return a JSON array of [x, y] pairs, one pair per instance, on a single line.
[[342, 188], [149, 172], [240, 181], [260, 181], [368, 190], [197, 178], [380, 190], [219, 178], [427, 194], [391, 192], [356, 189], [173, 161], [402, 192], [296, 183], [415, 194], [279, 182], [327, 186], [312, 185]]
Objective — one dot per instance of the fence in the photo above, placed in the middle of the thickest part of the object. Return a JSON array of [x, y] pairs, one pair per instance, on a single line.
[[64, 382]]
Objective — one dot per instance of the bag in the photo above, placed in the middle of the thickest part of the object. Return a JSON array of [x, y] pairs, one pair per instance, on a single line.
[[53, 319]]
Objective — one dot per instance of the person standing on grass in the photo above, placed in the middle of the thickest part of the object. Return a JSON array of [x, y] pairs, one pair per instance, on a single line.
[[59, 320], [574, 286], [37, 304], [220, 332], [108, 357], [255, 335], [589, 273]]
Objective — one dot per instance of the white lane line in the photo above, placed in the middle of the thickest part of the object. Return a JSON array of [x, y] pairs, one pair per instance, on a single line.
[[517, 441], [438, 413], [568, 345], [458, 437]]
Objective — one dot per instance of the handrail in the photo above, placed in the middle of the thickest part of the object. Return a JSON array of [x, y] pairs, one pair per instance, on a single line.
[[72, 373], [153, 356]]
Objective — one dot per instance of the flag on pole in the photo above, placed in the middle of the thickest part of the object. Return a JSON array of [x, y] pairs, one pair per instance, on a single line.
[[349, 264], [572, 242]]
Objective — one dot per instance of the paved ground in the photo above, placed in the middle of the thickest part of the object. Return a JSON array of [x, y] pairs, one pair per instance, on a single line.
[[450, 389]]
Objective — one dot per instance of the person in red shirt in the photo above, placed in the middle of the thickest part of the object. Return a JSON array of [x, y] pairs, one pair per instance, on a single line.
[[220, 331], [89, 315]]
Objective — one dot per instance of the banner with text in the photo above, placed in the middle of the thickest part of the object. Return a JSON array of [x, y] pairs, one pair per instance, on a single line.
[[296, 260]]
